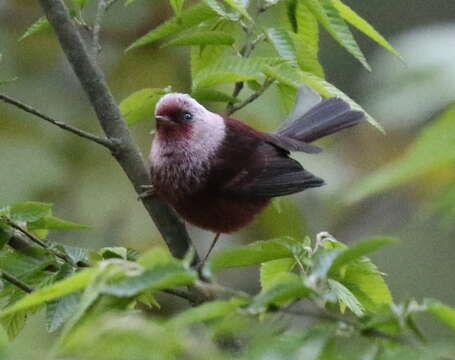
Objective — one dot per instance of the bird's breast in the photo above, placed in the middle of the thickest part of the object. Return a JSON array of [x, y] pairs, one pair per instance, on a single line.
[[178, 169]]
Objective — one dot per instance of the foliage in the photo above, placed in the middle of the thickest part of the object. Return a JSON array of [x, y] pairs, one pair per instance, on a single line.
[[99, 306], [105, 303]]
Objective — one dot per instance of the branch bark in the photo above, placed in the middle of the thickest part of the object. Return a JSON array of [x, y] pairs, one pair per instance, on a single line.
[[126, 152]]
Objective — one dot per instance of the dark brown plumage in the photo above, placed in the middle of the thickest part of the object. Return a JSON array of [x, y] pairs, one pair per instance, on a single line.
[[219, 173]]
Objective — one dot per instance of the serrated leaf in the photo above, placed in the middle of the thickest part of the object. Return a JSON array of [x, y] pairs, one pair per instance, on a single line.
[[358, 250], [346, 297], [361, 24], [67, 286], [156, 257], [177, 6], [278, 294], [254, 253], [207, 311], [187, 19], [151, 280], [232, 69], [240, 6], [432, 150], [25, 263], [60, 310], [282, 43], [220, 10], [140, 105], [54, 223], [29, 211], [113, 252], [39, 25], [203, 57], [306, 40], [364, 280], [14, 323], [443, 312], [272, 271], [213, 37], [329, 17], [202, 95]]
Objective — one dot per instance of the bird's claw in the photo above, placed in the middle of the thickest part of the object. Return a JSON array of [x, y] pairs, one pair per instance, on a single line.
[[149, 191]]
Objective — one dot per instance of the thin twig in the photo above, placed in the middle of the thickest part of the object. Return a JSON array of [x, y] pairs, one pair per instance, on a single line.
[[251, 98], [16, 282], [37, 241], [27, 108], [182, 294], [101, 10]]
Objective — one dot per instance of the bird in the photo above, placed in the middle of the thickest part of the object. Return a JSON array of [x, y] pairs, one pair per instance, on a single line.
[[218, 173]]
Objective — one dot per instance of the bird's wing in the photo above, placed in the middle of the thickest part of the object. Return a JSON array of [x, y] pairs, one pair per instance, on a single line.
[[274, 173]]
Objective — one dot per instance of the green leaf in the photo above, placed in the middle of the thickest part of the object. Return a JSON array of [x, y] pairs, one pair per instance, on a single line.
[[283, 292], [232, 69], [443, 312], [282, 42], [272, 271], [14, 323], [54, 223], [432, 150], [220, 10], [203, 57], [202, 95], [306, 40], [26, 263], [60, 310], [151, 280], [206, 37], [29, 211], [208, 311], [355, 20], [364, 280], [177, 6], [329, 17], [67, 286], [113, 252], [357, 251], [346, 298], [41, 24], [187, 19], [254, 253], [240, 6], [140, 105]]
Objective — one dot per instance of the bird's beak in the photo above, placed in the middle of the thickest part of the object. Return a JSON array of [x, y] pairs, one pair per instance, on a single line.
[[162, 119]]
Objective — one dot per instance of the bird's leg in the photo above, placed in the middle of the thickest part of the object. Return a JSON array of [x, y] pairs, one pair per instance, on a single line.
[[149, 191], [212, 245]]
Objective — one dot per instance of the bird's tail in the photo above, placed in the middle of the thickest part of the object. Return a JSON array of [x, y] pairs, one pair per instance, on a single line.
[[326, 117]]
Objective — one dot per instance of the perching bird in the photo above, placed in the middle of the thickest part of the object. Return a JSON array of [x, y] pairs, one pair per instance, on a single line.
[[219, 173]]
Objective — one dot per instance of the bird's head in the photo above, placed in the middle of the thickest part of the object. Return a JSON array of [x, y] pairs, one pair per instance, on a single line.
[[179, 110]]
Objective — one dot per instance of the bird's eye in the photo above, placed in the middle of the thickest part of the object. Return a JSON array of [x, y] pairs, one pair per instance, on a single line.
[[187, 116]]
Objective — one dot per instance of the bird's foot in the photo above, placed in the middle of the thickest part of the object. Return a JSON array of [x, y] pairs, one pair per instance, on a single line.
[[149, 191]]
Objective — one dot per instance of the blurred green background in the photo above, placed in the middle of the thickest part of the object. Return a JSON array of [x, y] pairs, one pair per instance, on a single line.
[[43, 163]]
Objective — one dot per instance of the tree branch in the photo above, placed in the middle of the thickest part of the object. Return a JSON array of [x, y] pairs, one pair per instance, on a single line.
[[126, 152], [232, 109], [27, 108], [16, 282]]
